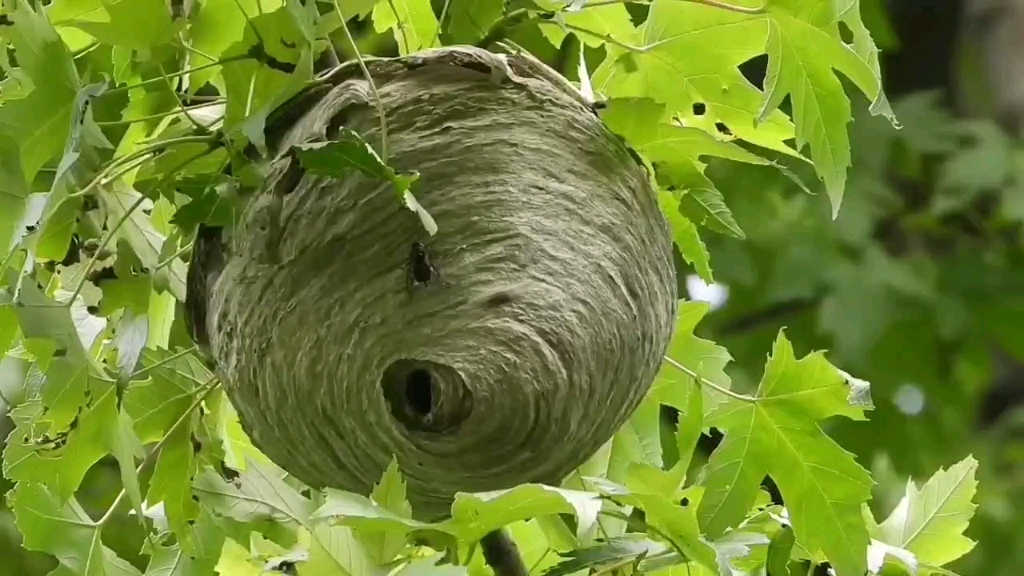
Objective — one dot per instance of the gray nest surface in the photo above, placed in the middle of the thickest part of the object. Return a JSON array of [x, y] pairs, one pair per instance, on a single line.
[[554, 304]]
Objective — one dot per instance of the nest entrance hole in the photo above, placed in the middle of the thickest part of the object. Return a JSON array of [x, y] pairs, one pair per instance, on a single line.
[[426, 396]]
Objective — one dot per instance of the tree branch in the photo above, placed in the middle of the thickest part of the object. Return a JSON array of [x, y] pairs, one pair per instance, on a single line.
[[502, 554]]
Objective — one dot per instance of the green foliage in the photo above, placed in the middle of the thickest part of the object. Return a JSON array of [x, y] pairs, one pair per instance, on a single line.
[[118, 120]]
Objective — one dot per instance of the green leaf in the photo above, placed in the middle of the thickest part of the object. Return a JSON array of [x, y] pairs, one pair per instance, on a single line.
[[703, 357], [476, 514], [637, 441], [684, 233], [257, 493], [779, 551], [389, 494], [804, 47], [687, 58], [348, 152], [157, 402], [691, 423], [592, 24], [171, 484], [929, 521], [140, 234], [776, 432], [135, 24], [40, 122], [334, 550], [613, 552], [679, 523], [412, 21], [207, 542], [41, 516], [216, 26], [701, 201], [43, 317], [60, 435], [132, 332], [356, 510], [470, 20], [14, 193], [431, 567], [122, 442], [281, 66]]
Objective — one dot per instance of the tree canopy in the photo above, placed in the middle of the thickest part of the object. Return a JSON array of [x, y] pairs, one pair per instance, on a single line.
[[822, 416]]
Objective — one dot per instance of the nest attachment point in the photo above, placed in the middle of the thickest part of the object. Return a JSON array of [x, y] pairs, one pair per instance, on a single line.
[[541, 331]]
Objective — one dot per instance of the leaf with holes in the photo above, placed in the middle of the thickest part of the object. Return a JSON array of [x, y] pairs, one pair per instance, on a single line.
[[63, 432], [687, 58], [804, 48], [264, 72]]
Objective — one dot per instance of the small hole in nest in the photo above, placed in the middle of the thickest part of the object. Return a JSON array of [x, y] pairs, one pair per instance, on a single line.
[[426, 396], [418, 391]]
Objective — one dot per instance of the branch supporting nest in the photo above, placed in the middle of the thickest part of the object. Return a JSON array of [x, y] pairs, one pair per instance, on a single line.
[[502, 554]]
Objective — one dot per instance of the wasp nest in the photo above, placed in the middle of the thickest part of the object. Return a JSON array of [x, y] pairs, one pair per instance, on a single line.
[[506, 349]]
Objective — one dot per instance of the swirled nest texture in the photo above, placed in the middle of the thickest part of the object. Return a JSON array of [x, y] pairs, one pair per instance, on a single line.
[[543, 331]]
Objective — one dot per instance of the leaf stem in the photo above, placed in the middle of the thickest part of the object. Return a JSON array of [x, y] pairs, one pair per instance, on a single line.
[[724, 6], [440, 22], [401, 26], [705, 382], [732, 8], [607, 38], [373, 85], [210, 386], [167, 360], [179, 73], [159, 115]]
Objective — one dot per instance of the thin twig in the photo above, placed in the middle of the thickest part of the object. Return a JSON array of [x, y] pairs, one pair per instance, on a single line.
[[182, 110], [732, 8], [227, 60], [607, 38], [705, 382], [401, 26], [157, 364], [373, 85], [440, 22]]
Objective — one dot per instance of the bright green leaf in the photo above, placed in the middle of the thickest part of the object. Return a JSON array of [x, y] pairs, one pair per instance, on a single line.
[[684, 233], [929, 521], [389, 494], [776, 432], [476, 514], [469, 20], [171, 484], [257, 493], [412, 21], [41, 516]]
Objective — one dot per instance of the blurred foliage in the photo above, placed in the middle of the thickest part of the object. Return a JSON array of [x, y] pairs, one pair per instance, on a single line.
[[916, 287]]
